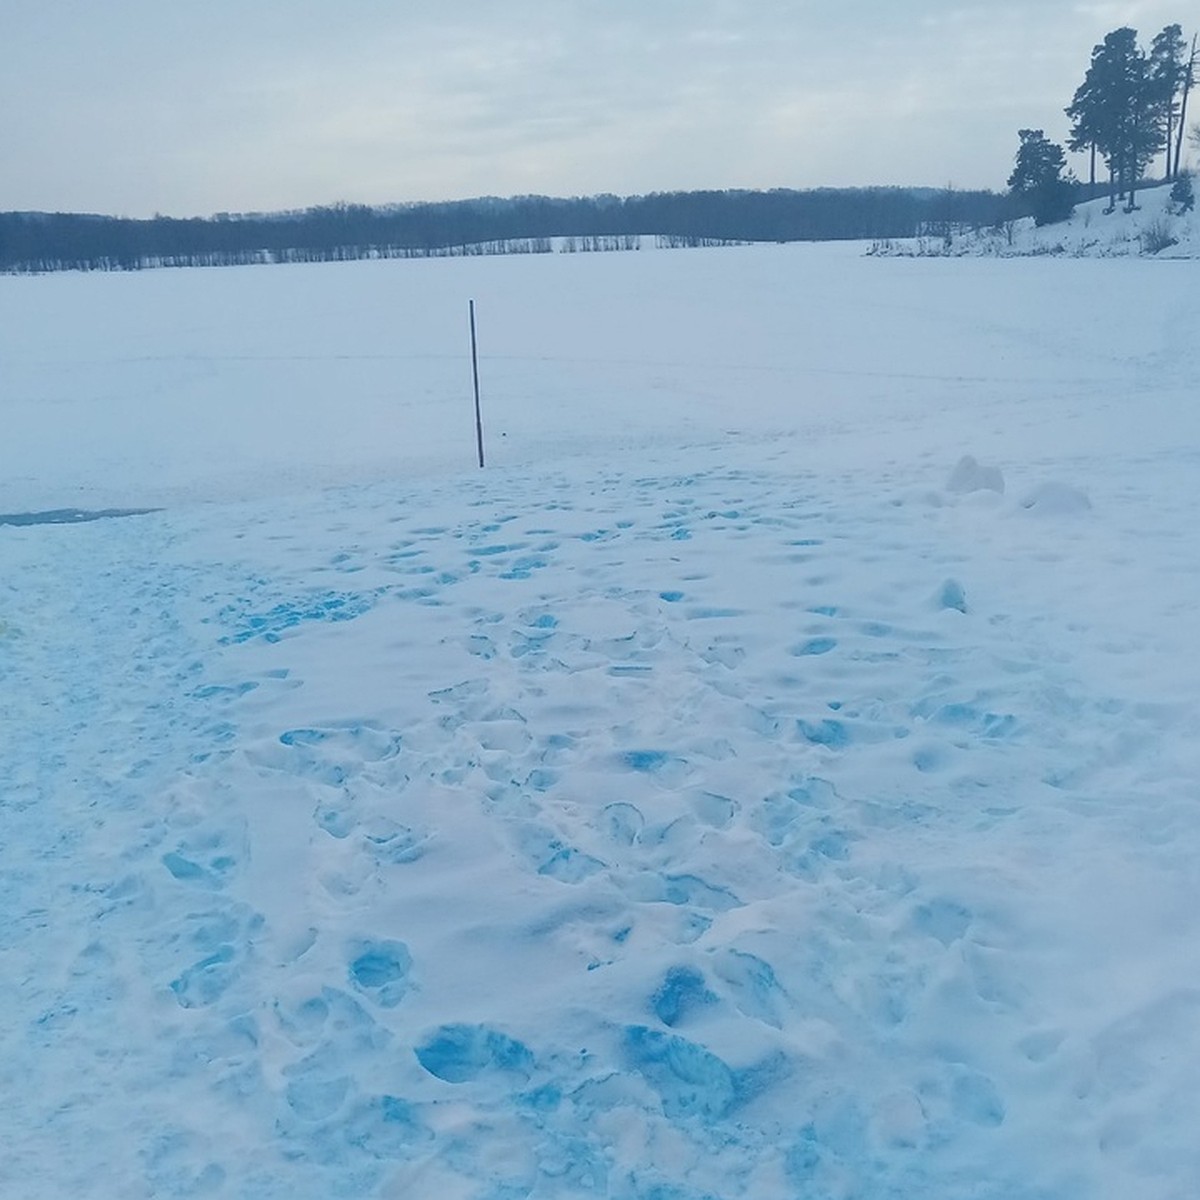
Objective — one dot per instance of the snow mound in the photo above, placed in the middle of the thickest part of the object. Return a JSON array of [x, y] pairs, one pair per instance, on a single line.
[[951, 595], [1055, 499], [971, 476]]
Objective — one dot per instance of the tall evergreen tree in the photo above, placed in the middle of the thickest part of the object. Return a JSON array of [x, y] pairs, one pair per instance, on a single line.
[[1168, 69], [1087, 114], [1039, 178], [1117, 110]]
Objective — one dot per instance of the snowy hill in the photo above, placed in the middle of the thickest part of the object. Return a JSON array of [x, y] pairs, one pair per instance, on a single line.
[[1152, 230], [773, 777]]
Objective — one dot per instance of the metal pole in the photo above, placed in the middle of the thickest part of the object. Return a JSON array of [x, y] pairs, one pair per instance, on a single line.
[[475, 377]]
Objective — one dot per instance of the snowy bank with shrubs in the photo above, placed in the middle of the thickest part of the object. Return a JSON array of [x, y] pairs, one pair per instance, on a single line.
[[1157, 227]]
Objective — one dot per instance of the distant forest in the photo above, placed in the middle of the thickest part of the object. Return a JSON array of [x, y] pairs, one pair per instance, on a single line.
[[37, 242]]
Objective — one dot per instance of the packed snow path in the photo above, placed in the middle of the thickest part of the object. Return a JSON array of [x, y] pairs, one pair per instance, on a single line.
[[710, 836]]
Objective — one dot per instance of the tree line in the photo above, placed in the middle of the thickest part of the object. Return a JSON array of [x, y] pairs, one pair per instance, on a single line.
[[34, 242], [1131, 107]]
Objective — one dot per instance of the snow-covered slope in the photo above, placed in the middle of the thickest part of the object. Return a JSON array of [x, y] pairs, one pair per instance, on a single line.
[[1153, 230], [733, 791]]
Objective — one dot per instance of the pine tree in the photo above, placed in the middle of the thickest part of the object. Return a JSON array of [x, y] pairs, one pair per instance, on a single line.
[[1087, 113], [1039, 179], [1168, 70], [1118, 110]]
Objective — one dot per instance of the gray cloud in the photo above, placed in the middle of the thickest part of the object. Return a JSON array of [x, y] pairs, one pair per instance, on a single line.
[[136, 106]]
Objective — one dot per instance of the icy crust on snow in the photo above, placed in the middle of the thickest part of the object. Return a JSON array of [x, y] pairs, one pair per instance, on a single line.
[[689, 835]]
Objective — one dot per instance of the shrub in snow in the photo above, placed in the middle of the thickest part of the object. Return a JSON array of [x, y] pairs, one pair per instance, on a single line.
[[1183, 195], [1157, 236]]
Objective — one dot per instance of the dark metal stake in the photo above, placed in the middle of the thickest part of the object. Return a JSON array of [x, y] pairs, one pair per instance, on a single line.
[[475, 376]]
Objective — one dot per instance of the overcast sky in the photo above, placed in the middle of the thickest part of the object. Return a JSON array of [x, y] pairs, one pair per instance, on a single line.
[[196, 106]]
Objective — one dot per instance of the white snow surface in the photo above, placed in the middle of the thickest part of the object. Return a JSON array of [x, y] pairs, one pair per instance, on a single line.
[[709, 799]]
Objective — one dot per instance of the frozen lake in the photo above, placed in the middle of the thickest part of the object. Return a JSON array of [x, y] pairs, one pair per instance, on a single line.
[[148, 388]]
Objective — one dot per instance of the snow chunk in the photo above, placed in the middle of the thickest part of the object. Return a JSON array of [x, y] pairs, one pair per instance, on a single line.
[[1054, 499], [951, 595], [972, 476]]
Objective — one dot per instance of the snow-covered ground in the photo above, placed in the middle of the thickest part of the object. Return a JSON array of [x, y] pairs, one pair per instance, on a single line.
[[730, 792], [1154, 229]]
